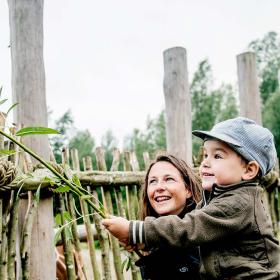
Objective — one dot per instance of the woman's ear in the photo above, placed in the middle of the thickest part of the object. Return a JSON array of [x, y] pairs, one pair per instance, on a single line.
[[188, 193], [252, 170]]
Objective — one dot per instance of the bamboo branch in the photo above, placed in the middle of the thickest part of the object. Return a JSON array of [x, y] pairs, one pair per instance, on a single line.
[[72, 186], [26, 237], [67, 243], [12, 240], [103, 236], [115, 244]]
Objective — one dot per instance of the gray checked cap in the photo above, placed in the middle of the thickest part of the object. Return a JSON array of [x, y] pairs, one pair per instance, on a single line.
[[247, 138]]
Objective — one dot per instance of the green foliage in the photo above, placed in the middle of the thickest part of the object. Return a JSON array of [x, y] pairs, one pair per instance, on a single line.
[[64, 222], [209, 106], [267, 51], [11, 108], [7, 152], [63, 124], [151, 140], [126, 264], [84, 143], [35, 130], [271, 117], [108, 143], [3, 101]]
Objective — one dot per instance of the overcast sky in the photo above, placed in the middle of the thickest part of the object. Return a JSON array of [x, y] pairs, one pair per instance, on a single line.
[[103, 59]]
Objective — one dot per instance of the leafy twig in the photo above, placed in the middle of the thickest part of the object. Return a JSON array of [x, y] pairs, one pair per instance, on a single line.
[[74, 187]]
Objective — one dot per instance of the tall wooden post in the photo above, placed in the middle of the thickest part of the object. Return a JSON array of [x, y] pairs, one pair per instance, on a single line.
[[28, 89], [177, 104], [249, 95]]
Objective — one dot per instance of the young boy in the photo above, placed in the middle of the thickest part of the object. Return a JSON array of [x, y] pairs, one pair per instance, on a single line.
[[230, 225]]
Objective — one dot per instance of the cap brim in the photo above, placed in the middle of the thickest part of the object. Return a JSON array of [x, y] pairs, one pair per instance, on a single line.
[[225, 138]]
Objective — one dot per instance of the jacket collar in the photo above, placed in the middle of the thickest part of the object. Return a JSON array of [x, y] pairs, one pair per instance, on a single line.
[[218, 189]]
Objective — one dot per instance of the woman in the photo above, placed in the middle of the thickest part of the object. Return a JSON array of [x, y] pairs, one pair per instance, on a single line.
[[170, 188]]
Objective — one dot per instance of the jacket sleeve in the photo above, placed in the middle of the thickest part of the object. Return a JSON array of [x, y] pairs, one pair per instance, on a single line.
[[223, 217]]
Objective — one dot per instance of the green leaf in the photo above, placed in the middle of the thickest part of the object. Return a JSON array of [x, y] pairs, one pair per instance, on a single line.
[[62, 189], [1, 90], [11, 108], [76, 180], [67, 217], [3, 101], [57, 235], [126, 264], [36, 130], [37, 194], [7, 152], [51, 181], [57, 219]]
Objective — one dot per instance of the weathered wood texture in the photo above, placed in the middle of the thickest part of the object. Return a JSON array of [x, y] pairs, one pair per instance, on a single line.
[[177, 104], [28, 89], [249, 95]]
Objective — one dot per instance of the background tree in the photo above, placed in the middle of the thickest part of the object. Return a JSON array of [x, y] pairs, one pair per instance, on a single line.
[[209, 105], [271, 118], [84, 143], [63, 125], [150, 140], [108, 143], [267, 51]]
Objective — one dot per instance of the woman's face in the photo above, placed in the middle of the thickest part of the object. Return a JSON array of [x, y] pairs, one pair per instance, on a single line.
[[166, 189]]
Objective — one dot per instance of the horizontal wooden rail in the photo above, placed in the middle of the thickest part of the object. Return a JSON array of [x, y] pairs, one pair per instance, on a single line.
[[88, 178]]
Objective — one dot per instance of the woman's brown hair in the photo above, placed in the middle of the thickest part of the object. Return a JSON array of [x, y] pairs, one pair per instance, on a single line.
[[191, 181]]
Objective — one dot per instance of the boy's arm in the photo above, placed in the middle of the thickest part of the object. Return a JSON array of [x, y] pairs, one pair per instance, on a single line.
[[210, 224]]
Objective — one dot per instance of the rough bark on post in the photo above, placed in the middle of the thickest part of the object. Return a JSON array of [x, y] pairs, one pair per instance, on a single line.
[[249, 95], [177, 104], [28, 89]]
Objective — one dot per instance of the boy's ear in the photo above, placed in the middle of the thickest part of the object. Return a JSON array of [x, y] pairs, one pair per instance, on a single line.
[[252, 170]]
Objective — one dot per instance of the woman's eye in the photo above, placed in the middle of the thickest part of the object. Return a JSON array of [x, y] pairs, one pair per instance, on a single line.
[[152, 181], [170, 179], [217, 156]]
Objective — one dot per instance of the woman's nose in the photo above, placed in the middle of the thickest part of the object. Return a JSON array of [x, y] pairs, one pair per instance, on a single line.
[[161, 186]]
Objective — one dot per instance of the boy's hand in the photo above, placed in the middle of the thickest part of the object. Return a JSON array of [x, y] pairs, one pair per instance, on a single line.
[[131, 248], [119, 227]]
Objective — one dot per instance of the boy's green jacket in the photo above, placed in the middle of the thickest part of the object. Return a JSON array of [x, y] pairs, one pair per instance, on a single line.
[[232, 229]]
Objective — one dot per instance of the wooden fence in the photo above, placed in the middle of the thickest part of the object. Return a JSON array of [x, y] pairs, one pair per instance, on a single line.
[[118, 191]]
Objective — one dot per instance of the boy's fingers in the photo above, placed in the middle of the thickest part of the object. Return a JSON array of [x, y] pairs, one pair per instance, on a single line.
[[106, 222]]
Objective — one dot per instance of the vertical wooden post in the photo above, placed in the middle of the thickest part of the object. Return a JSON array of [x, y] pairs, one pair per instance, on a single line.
[[249, 95], [177, 104], [28, 89]]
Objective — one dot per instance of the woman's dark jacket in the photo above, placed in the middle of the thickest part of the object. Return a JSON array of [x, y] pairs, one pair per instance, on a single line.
[[170, 263]]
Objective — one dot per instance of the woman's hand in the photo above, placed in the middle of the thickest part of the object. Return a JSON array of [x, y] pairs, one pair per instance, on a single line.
[[119, 227]]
